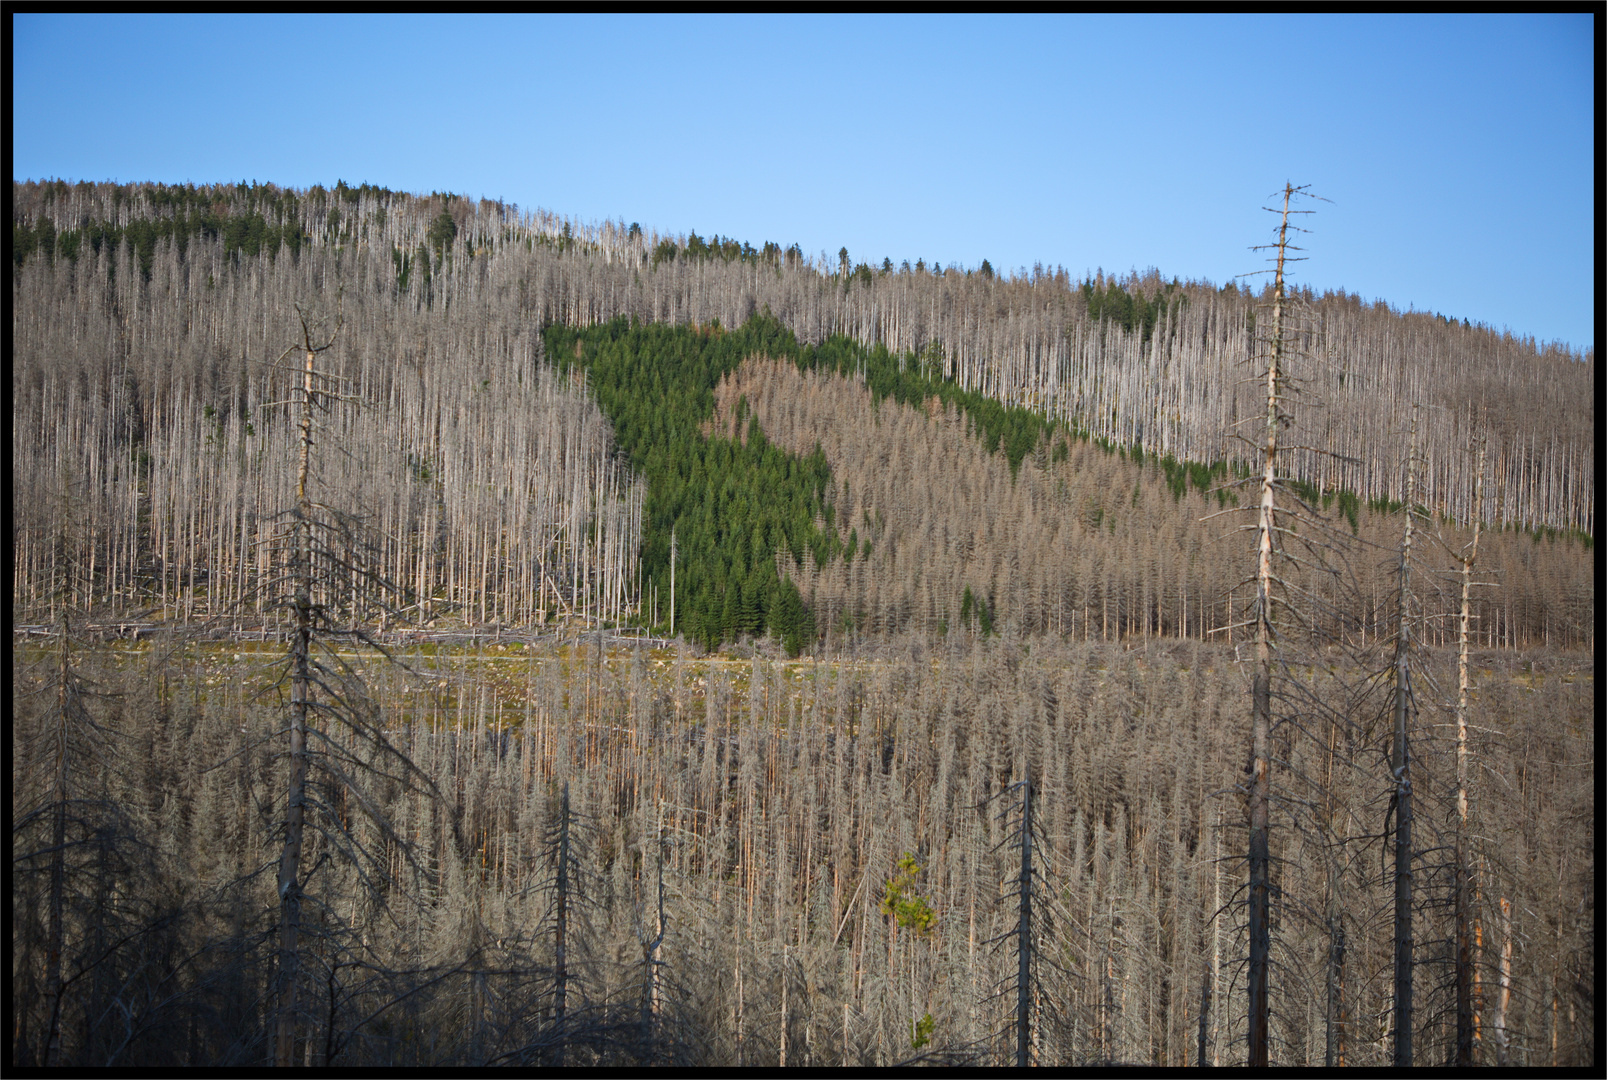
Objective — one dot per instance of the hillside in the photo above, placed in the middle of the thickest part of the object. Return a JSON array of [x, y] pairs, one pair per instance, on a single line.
[[140, 394], [449, 636], [1078, 540], [1137, 361]]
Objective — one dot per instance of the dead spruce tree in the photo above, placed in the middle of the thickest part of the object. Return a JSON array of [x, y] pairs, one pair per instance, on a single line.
[[334, 733], [1403, 711], [93, 916], [1465, 1022], [1430, 875], [1035, 1031], [72, 819], [1300, 612], [563, 1022]]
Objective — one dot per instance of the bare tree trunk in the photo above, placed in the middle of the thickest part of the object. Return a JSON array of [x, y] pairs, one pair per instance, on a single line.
[[1503, 993], [651, 991], [560, 938], [1464, 959], [1261, 690], [301, 684], [1024, 935], [1216, 936], [1334, 1058], [1399, 760]]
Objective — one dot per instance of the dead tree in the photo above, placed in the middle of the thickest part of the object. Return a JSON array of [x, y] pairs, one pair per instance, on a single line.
[[652, 942], [560, 933], [1036, 1025], [314, 385], [1024, 934], [1293, 537], [325, 565], [1265, 642], [1465, 1023], [1400, 776], [69, 709]]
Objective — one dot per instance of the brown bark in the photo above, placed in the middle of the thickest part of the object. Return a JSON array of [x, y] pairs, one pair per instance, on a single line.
[[1261, 689]]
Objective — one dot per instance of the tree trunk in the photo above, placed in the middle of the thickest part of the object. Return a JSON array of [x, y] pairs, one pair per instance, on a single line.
[[560, 937], [1399, 761], [650, 993], [1503, 993], [301, 684], [1261, 690], [58, 856], [1464, 959], [1024, 935]]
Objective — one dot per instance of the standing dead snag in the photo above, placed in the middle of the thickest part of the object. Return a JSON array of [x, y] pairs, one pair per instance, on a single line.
[[327, 566], [1265, 643], [560, 934], [1024, 934], [651, 1003], [1465, 1023], [300, 699], [1399, 766], [68, 708], [1036, 1031], [1280, 600]]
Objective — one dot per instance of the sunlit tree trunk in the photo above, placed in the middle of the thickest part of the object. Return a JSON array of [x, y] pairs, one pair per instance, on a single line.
[[1465, 1024]]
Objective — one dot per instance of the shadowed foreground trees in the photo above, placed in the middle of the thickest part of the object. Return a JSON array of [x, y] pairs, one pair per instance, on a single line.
[[783, 798]]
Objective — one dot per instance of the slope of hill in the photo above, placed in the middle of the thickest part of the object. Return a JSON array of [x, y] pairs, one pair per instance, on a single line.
[[148, 445], [1137, 361], [571, 851], [152, 458], [1079, 541]]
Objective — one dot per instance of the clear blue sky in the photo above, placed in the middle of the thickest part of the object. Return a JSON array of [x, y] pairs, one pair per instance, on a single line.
[[1458, 150]]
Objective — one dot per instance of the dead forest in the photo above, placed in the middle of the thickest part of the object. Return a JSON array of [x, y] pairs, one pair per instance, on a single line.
[[348, 728]]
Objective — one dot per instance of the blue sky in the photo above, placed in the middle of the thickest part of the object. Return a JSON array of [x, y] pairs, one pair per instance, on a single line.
[[1458, 151]]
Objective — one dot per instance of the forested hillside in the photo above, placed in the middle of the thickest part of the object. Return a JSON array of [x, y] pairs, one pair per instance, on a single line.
[[1077, 540], [1135, 360], [445, 635], [150, 466], [153, 456]]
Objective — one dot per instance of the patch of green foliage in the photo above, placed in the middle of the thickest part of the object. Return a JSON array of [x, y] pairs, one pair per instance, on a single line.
[[722, 248], [1107, 300], [900, 901], [733, 504], [971, 604], [183, 212]]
